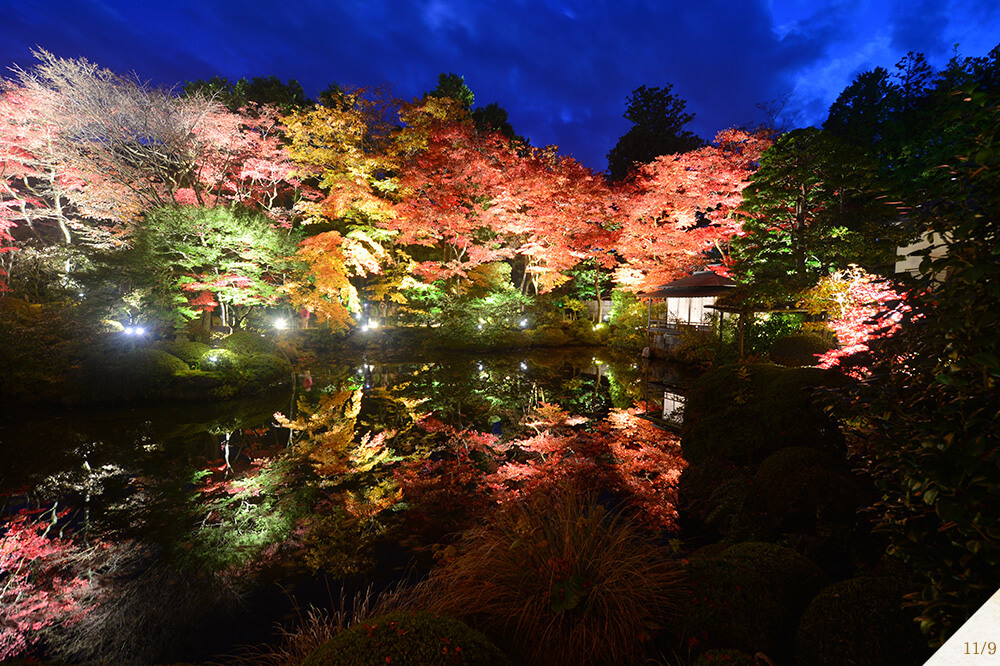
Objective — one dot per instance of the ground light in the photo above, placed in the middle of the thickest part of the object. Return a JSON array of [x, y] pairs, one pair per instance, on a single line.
[[281, 324]]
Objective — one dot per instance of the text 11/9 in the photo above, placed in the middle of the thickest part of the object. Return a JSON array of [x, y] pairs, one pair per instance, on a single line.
[[981, 648]]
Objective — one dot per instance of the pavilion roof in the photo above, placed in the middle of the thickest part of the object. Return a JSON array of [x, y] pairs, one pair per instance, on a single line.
[[699, 283]]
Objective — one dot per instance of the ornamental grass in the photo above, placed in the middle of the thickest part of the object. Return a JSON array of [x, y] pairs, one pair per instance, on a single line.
[[556, 579]]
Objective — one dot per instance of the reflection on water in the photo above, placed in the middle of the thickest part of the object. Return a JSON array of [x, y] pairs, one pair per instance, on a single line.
[[126, 508]]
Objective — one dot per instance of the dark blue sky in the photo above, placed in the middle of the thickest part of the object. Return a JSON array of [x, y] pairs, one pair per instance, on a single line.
[[561, 68]]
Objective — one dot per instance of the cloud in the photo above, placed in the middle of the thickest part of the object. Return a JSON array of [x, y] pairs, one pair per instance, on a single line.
[[561, 68]]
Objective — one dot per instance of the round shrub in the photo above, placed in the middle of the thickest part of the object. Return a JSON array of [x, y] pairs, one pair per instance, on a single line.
[[799, 488], [859, 621], [792, 578], [188, 351], [130, 374], [743, 413], [750, 596], [219, 360], [730, 605], [799, 350], [549, 336], [259, 370], [725, 657], [697, 487], [407, 638], [247, 342]]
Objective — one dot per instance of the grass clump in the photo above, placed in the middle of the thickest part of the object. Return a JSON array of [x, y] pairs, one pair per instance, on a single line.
[[559, 579]]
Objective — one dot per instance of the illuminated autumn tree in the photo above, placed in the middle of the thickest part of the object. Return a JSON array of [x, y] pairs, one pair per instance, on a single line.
[[680, 206], [196, 259]]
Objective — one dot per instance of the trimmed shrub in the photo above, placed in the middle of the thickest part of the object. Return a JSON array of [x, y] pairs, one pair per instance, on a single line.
[[730, 605], [222, 361], [859, 621], [561, 581], [247, 342], [792, 578], [799, 488], [743, 413], [549, 336], [130, 374], [188, 351], [408, 638], [697, 487], [799, 350], [750, 596], [258, 371]]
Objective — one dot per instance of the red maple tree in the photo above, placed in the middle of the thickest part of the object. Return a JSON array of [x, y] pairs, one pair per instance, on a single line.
[[681, 205]]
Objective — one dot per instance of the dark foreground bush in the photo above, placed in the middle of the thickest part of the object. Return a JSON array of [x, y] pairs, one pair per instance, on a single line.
[[799, 350], [116, 375], [725, 658], [750, 597], [800, 489], [743, 413], [408, 637], [859, 621]]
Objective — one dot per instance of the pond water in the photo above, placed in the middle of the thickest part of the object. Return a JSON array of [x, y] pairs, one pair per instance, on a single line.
[[162, 533]]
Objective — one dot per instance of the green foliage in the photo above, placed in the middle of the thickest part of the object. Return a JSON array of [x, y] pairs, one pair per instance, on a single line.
[[222, 361], [116, 372], [934, 419], [248, 342], [814, 206], [628, 321], [42, 343], [560, 580], [699, 347], [233, 256], [799, 350], [453, 86], [188, 351], [549, 336], [235, 525], [743, 413], [408, 637], [859, 621], [490, 322], [285, 96]]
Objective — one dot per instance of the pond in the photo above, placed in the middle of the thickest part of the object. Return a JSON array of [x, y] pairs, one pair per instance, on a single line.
[[178, 532]]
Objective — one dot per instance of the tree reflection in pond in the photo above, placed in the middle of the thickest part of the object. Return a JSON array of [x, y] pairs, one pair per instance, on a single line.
[[374, 455]]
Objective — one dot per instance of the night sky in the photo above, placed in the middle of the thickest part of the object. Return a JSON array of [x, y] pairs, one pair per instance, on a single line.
[[562, 69]]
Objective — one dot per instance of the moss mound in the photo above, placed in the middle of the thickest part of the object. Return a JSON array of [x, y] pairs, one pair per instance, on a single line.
[[129, 374], [188, 351], [859, 621], [407, 638], [743, 413], [247, 342]]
